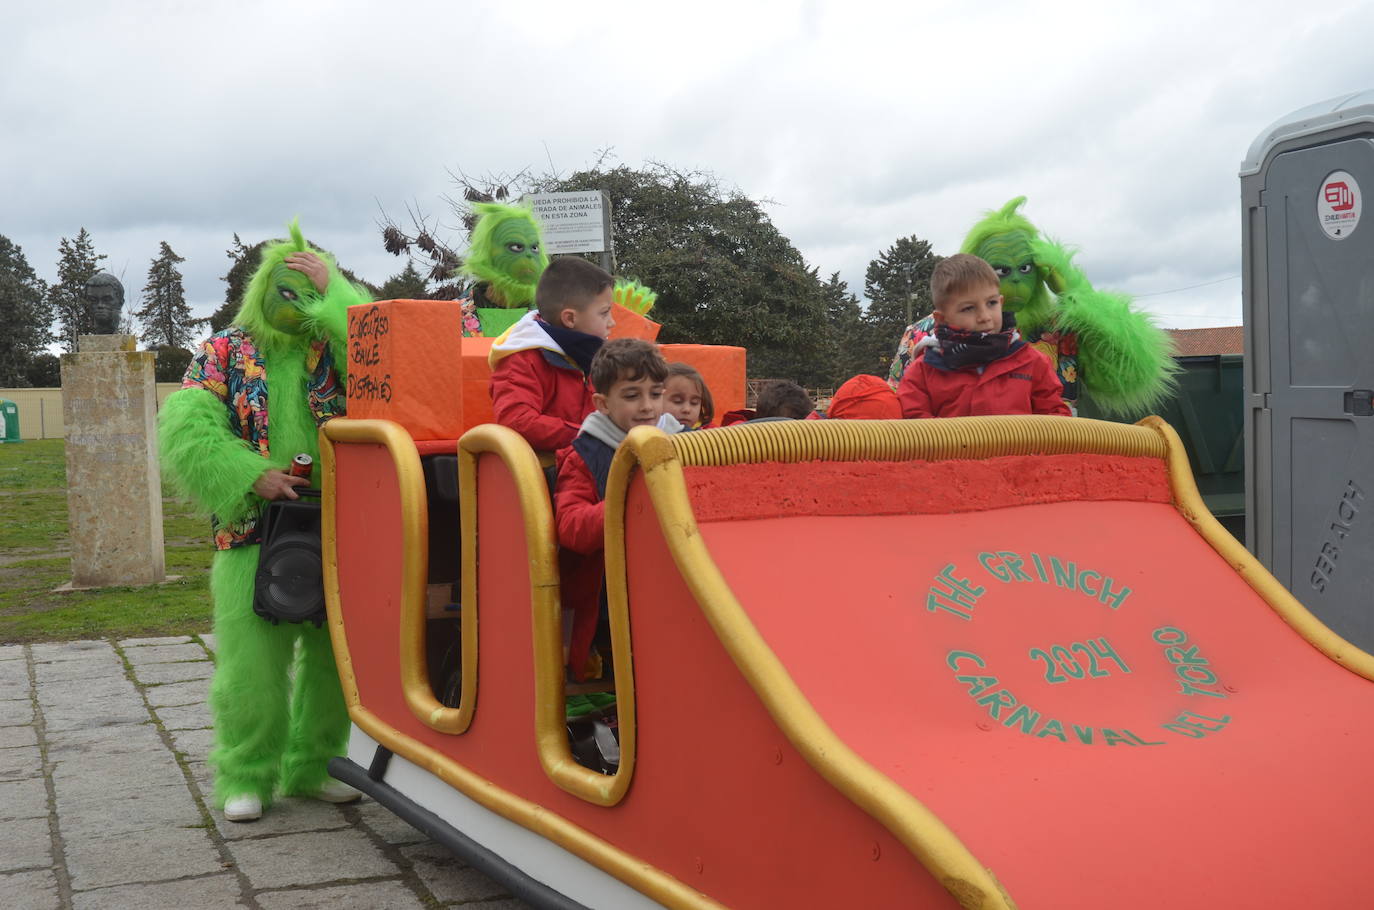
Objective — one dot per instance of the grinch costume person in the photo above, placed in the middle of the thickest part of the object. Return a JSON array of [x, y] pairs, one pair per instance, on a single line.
[[506, 258], [252, 398], [1094, 339]]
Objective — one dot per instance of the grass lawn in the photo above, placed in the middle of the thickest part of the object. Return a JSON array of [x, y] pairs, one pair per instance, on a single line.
[[34, 559]]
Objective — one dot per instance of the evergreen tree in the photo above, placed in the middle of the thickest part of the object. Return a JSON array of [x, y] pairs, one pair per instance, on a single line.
[[850, 339], [24, 314], [897, 285], [407, 284], [245, 261], [170, 363], [165, 315], [45, 371], [77, 264]]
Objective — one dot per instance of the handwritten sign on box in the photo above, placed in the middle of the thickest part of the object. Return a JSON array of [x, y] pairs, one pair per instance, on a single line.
[[404, 365]]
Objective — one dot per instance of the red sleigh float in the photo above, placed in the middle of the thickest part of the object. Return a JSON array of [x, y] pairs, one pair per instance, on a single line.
[[982, 662]]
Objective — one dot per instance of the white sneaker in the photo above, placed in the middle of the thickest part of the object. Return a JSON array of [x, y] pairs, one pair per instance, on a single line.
[[336, 791], [244, 808]]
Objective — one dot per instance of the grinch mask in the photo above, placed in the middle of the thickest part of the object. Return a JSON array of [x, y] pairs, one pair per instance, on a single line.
[[515, 250], [279, 301], [281, 305], [1007, 241], [507, 254], [1010, 256]]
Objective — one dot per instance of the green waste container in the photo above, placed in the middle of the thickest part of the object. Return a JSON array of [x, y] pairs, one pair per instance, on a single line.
[[1209, 415], [9, 421]]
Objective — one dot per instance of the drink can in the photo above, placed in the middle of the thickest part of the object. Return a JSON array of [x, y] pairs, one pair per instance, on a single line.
[[301, 466]]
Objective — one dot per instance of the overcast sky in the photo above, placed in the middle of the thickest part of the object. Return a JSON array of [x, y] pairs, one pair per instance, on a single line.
[[1124, 124]]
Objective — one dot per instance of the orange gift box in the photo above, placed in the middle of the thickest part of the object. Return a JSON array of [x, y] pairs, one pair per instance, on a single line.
[[408, 362], [721, 366], [475, 378], [629, 324], [405, 364]]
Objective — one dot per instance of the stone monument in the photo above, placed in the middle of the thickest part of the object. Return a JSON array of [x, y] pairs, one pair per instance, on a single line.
[[114, 490]]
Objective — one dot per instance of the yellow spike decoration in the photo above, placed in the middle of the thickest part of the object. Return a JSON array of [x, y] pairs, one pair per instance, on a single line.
[[634, 296]]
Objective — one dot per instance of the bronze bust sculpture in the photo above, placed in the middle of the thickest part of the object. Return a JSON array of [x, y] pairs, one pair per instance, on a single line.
[[104, 300]]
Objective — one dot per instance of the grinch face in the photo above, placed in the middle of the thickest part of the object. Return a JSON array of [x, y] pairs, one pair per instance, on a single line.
[[515, 250], [1010, 256], [281, 306]]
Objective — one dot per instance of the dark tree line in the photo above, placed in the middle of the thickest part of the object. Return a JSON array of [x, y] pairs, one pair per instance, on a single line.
[[26, 314], [723, 272], [36, 314]]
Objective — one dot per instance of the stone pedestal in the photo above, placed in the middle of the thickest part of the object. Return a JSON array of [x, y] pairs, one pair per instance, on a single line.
[[114, 491]]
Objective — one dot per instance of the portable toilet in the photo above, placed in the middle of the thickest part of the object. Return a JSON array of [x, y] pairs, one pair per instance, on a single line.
[[1308, 284], [9, 421]]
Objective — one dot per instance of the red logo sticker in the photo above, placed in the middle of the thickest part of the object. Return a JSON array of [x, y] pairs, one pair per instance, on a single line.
[[1338, 205]]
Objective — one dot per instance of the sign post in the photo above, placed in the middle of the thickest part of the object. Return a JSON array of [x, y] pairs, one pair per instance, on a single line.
[[577, 222]]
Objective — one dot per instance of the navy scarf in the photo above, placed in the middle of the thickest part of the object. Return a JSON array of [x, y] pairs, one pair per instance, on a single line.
[[579, 346]]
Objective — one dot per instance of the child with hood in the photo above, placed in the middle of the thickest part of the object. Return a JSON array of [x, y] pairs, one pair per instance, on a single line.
[[539, 366]]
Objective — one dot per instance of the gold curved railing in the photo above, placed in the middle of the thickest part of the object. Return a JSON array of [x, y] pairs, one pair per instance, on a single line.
[[906, 440], [541, 541], [649, 880], [1189, 503], [413, 502]]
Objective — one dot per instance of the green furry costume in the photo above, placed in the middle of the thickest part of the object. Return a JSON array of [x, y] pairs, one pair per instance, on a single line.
[[265, 735], [1124, 362], [506, 258]]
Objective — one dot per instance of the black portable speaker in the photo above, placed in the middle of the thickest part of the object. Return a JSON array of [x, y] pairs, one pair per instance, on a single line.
[[290, 581]]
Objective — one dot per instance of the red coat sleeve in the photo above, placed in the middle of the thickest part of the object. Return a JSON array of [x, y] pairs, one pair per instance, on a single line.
[[578, 511], [1047, 394], [518, 398], [912, 392]]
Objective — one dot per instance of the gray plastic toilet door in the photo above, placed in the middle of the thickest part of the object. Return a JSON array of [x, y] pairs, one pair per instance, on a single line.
[[1321, 361]]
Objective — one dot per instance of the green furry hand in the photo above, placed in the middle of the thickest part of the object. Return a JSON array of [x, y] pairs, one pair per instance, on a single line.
[[633, 296], [326, 317], [1055, 264], [1053, 280]]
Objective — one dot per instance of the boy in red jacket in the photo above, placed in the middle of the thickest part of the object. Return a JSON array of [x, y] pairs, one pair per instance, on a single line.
[[629, 376], [976, 363], [539, 366]]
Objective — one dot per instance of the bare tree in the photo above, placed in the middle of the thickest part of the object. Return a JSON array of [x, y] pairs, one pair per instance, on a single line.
[[428, 244]]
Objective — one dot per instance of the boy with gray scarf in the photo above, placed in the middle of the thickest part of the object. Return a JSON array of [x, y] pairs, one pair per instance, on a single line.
[[628, 378]]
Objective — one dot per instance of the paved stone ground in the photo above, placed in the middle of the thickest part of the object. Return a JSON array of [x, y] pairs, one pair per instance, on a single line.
[[105, 801]]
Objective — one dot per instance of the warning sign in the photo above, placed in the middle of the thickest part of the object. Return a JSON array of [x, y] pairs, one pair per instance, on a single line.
[[1339, 205], [573, 222]]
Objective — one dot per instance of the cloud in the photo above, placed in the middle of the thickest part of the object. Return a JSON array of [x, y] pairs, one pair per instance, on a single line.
[[1123, 123]]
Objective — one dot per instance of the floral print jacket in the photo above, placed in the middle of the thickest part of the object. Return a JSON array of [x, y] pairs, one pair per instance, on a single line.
[[229, 366]]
